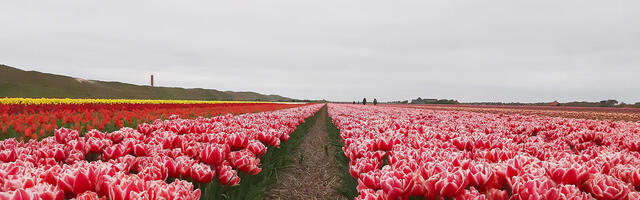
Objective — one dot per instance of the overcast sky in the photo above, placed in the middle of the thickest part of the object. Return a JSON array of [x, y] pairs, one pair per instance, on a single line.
[[527, 51]]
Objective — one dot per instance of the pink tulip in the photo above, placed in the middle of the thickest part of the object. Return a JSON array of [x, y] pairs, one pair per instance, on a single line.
[[227, 176], [75, 182], [172, 167], [480, 175], [451, 184], [181, 127], [145, 128], [269, 139], [156, 171], [363, 165], [46, 191], [634, 177], [198, 128], [495, 194], [202, 173], [140, 150], [74, 156], [77, 144], [633, 195], [429, 186], [369, 180], [114, 152], [95, 172], [393, 187], [245, 162], [370, 194], [88, 196], [238, 141], [58, 154], [124, 190], [19, 194], [384, 144], [184, 164], [463, 144], [574, 174], [606, 187], [214, 154], [471, 194], [104, 185], [8, 155], [566, 192], [64, 135], [530, 187], [97, 145], [462, 163], [191, 148], [257, 148]]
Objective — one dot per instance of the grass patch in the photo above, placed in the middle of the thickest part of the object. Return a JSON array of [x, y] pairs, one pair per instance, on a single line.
[[349, 184], [253, 187]]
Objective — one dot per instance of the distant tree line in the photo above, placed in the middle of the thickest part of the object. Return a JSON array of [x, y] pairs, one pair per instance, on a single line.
[[399, 102], [603, 103], [364, 101], [434, 101]]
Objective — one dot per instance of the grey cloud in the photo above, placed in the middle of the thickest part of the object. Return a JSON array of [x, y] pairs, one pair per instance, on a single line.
[[499, 50]]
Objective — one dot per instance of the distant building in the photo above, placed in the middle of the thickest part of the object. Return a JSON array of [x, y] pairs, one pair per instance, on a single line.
[[608, 103], [423, 101], [151, 80]]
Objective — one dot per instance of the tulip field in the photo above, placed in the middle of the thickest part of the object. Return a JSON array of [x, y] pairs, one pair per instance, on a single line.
[[402, 153], [170, 157], [599, 113], [37, 118], [156, 149]]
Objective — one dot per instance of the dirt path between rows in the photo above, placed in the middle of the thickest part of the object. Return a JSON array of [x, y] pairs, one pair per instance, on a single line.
[[313, 174]]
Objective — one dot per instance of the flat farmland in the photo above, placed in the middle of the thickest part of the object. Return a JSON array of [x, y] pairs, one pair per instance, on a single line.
[[598, 113]]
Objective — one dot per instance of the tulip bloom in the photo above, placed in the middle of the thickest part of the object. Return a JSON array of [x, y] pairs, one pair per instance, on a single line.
[[202, 173], [480, 175], [573, 175], [227, 176], [606, 187], [451, 184], [74, 181], [245, 162], [214, 154], [238, 141]]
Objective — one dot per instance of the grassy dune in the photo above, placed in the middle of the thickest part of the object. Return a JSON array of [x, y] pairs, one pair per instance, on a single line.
[[19, 83]]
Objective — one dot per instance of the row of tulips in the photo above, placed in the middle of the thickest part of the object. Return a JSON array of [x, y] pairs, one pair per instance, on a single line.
[[37, 101], [397, 153], [158, 160], [598, 113], [32, 121]]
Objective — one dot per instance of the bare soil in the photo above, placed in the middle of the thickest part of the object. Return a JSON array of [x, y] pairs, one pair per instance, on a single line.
[[313, 173]]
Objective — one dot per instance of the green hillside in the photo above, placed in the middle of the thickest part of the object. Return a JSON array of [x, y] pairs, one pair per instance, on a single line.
[[19, 83]]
